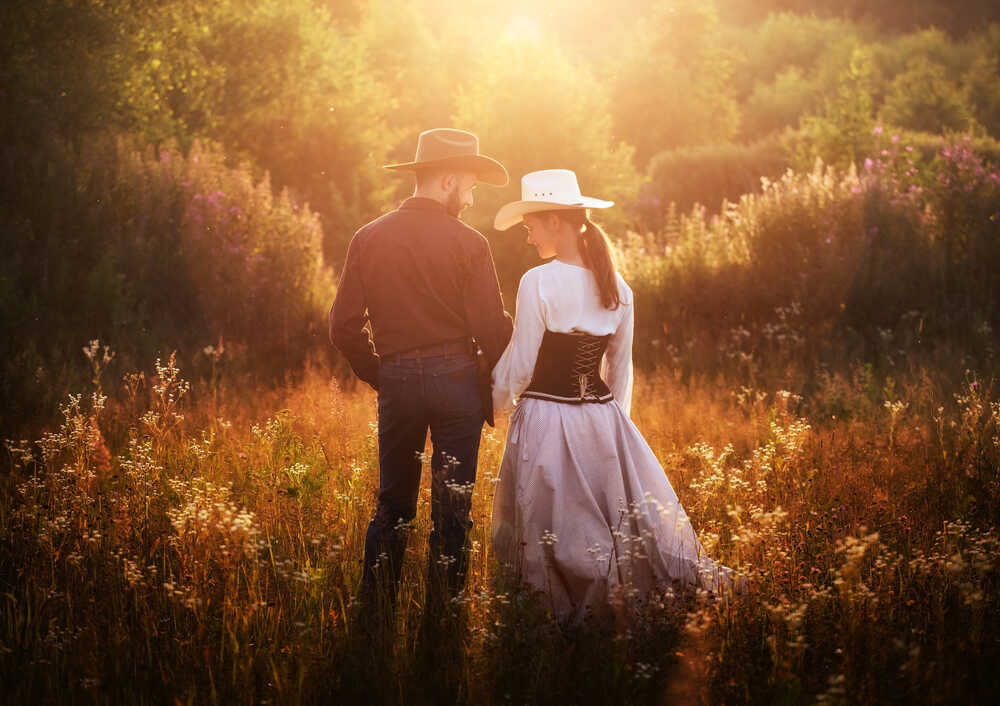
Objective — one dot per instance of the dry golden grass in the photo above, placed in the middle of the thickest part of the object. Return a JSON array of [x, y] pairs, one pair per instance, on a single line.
[[202, 544]]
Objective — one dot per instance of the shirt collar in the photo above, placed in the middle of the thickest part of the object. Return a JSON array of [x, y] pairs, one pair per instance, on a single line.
[[422, 203]]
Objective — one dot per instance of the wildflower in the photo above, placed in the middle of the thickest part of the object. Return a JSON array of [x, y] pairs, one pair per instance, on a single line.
[[644, 671], [460, 488], [296, 472]]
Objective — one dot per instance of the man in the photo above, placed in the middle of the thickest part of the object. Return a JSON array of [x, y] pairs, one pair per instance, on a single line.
[[425, 285]]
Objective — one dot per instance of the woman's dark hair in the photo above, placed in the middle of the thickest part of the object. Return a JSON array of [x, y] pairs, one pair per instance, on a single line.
[[595, 249]]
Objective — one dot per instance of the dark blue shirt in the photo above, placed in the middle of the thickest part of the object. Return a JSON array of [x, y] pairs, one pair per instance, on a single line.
[[416, 276]]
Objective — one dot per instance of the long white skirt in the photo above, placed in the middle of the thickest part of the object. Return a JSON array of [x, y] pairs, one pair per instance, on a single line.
[[583, 506]]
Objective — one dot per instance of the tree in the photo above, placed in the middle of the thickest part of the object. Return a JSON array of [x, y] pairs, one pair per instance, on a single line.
[[980, 81], [672, 86], [785, 42], [923, 99], [842, 133], [58, 70], [533, 109], [774, 106], [276, 82]]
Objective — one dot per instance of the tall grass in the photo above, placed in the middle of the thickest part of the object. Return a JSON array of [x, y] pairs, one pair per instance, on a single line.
[[176, 542]]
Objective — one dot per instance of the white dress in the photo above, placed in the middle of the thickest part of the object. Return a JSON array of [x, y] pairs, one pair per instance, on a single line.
[[582, 505]]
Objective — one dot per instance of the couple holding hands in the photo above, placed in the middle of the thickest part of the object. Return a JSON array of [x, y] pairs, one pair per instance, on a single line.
[[583, 510]]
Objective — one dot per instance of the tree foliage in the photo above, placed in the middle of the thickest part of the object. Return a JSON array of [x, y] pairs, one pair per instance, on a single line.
[[841, 133], [672, 86], [922, 98], [562, 121], [958, 17]]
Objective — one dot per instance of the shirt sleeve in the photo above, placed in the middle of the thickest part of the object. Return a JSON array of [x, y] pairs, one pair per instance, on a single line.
[[517, 364], [489, 324], [348, 317], [616, 368]]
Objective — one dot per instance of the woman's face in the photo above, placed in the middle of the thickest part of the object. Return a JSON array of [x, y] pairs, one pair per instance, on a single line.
[[541, 235]]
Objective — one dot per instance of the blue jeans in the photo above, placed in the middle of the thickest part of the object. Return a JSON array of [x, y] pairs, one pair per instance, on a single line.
[[439, 393]]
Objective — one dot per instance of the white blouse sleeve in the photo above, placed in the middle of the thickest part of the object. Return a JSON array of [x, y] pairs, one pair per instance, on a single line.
[[616, 368], [513, 371]]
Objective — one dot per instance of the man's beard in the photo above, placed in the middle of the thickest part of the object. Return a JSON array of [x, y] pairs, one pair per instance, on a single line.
[[454, 203]]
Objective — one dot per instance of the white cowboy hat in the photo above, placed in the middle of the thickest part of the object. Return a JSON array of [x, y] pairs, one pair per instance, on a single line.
[[546, 190]]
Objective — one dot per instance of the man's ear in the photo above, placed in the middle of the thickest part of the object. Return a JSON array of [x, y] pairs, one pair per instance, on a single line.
[[448, 181], [552, 222]]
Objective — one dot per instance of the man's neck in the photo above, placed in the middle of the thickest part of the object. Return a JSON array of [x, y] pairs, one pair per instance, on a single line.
[[432, 195]]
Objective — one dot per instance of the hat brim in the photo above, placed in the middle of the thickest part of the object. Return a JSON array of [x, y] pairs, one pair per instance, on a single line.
[[486, 169], [513, 213]]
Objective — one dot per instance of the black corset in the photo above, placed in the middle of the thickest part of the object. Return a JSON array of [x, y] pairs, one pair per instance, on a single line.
[[568, 369]]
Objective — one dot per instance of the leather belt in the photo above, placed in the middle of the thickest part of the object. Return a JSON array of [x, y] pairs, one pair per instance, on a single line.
[[463, 346]]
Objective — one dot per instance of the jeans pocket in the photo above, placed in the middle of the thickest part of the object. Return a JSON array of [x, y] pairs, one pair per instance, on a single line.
[[456, 388]]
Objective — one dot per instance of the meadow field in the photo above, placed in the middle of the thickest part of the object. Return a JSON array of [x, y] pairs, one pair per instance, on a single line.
[[178, 542], [816, 373]]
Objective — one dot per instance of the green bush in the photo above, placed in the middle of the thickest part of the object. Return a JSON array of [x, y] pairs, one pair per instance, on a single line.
[[980, 80], [779, 104], [827, 264], [841, 133], [707, 175], [255, 260], [965, 200], [922, 98], [105, 242]]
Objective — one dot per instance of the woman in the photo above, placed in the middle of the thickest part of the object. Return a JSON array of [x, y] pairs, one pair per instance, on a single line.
[[583, 511]]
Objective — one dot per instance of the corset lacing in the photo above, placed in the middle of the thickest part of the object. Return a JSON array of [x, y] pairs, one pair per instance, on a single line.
[[568, 369]]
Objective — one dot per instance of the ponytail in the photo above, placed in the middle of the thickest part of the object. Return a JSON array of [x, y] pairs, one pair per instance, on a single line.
[[595, 249]]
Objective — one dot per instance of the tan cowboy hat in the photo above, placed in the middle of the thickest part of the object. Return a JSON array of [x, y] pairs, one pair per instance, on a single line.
[[546, 190], [447, 147]]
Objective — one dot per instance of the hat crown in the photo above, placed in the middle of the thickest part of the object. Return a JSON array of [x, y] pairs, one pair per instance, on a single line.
[[546, 190], [457, 150], [558, 186], [443, 143]]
